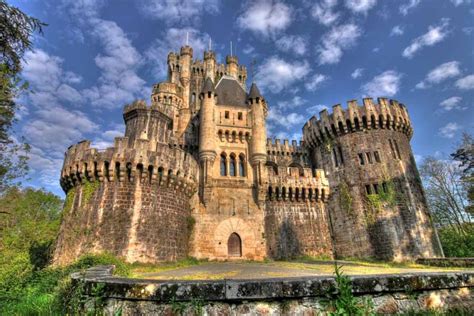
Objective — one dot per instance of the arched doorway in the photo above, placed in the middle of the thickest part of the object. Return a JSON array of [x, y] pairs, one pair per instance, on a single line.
[[234, 245]]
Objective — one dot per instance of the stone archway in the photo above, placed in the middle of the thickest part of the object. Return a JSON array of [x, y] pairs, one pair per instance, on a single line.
[[234, 245]]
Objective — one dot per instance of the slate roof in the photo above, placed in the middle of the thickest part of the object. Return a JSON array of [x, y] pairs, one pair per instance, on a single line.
[[230, 92]]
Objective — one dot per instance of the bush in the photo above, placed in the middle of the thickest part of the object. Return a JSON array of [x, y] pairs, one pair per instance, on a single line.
[[456, 244]]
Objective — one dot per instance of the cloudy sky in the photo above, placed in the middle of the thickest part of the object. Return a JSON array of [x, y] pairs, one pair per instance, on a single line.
[[96, 56]]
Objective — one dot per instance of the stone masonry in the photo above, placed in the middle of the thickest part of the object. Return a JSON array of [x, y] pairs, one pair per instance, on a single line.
[[195, 175]]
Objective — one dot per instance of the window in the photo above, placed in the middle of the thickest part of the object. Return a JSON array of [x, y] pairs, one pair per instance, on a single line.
[[376, 188], [377, 156], [398, 151], [240, 117], [226, 114], [368, 190], [361, 159], [223, 165], [241, 166], [369, 157], [336, 162], [232, 168], [384, 187], [340, 154], [392, 149]]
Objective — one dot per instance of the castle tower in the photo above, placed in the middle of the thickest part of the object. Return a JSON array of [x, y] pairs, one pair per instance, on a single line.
[[210, 64], [186, 56], [377, 207], [232, 66], [207, 146], [258, 150]]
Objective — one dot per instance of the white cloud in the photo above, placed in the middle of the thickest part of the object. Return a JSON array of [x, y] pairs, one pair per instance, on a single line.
[[316, 109], [287, 120], [439, 74], [397, 30], [449, 130], [119, 82], [292, 43], [171, 40], [357, 73], [459, 2], [265, 17], [434, 35], [324, 13], [360, 6], [315, 81], [385, 84], [411, 4], [296, 101], [335, 41], [466, 83], [178, 11], [451, 103], [106, 139], [275, 74], [248, 49]]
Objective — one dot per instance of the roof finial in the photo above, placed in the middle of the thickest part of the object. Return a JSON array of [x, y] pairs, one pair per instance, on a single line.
[[230, 48], [210, 44], [187, 38]]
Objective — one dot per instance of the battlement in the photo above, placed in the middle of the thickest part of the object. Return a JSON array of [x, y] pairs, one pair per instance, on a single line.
[[277, 147], [166, 166], [386, 114], [298, 184]]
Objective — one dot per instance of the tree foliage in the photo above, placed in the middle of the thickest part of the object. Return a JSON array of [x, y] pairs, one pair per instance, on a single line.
[[464, 154], [16, 31], [446, 193]]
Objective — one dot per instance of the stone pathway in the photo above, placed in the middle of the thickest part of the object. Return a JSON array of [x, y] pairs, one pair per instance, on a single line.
[[256, 270]]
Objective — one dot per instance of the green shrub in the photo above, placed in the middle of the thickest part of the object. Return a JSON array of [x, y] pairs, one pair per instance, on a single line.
[[456, 244]]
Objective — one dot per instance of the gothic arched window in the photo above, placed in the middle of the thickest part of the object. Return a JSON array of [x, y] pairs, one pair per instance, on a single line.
[[232, 166], [242, 165], [223, 165]]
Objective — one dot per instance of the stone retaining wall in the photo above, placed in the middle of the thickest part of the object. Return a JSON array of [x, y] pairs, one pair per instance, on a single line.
[[390, 294]]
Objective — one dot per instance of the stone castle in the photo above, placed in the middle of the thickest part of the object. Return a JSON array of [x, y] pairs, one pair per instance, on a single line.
[[195, 175]]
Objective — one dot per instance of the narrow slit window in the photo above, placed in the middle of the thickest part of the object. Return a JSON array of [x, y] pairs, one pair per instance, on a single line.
[[232, 167], [384, 187], [369, 157], [223, 165], [376, 188], [226, 114], [392, 149], [377, 156], [340, 154], [361, 159], [398, 151], [240, 116], [336, 163], [368, 190]]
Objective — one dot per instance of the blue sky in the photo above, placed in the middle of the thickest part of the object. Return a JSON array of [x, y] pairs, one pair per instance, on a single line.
[[96, 56]]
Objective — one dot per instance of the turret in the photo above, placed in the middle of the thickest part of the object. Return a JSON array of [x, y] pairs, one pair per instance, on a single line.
[[207, 135], [173, 68], [186, 56], [210, 64], [232, 67], [258, 150]]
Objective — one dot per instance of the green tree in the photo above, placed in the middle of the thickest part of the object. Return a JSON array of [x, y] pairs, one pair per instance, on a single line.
[[465, 155], [16, 31]]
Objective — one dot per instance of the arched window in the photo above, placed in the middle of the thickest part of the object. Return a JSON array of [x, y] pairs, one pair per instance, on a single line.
[[232, 166], [241, 166], [223, 165]]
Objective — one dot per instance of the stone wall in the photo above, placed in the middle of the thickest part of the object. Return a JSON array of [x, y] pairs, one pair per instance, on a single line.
[[294, 229], [132, 220], [390, 294]]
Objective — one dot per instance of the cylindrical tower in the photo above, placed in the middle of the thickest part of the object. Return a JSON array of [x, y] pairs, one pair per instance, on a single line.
[[210, 64], [377, 207], [232, 66], [186, 56], [207, 134], [173, 68]]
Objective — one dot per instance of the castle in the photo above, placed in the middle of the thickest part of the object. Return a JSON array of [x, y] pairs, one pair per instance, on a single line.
[[195, 175]]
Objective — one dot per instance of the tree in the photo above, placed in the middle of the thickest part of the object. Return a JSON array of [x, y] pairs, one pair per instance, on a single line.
[[16, 30], [465, 155], [446, 193]]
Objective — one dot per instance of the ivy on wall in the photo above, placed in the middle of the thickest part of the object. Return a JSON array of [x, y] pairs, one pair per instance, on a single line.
[[88, 189], [376, 202], [345, 198]]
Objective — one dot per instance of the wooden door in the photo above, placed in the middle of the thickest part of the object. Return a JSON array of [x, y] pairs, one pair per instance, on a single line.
[[234, 246]]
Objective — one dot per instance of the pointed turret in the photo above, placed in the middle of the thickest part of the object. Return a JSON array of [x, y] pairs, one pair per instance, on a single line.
[[208, 86], [254, 92]]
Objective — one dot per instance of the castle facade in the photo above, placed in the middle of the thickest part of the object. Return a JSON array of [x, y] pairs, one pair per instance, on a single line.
[[195, 175]]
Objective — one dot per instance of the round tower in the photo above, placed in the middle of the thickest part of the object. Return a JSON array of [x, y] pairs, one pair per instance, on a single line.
[[210, 64], [207, 133], [232, 66], [377, 207], [173, 68]]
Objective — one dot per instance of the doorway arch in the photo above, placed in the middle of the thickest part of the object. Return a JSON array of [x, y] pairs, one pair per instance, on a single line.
[[234, 245]]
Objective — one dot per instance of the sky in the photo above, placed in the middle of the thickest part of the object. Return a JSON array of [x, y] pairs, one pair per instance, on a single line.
[[96, 56]]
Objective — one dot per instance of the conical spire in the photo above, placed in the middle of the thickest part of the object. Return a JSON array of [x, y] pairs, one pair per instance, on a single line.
[[208, 86], [254, 92]]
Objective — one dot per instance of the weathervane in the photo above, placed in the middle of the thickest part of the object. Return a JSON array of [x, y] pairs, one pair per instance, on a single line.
[[187, 38]]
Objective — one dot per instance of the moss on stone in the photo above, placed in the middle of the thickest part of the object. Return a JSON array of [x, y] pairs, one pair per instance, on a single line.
[[88, 189]]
